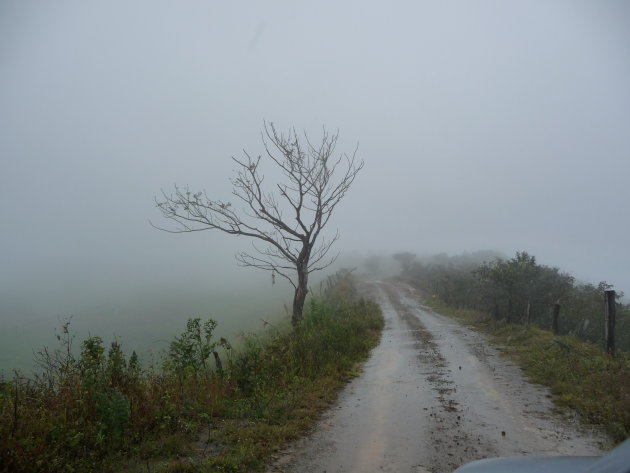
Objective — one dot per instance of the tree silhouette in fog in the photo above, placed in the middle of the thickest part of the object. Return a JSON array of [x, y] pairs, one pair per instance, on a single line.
[[285, 219]]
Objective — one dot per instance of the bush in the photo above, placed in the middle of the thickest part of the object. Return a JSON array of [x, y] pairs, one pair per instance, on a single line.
[[101, 410]]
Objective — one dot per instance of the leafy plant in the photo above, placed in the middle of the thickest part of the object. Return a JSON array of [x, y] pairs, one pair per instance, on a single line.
[[100, 411], [189, 352]]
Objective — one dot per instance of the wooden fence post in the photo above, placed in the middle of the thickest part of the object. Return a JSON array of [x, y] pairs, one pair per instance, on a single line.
[[610, 307], [556, 317], [528, 312]]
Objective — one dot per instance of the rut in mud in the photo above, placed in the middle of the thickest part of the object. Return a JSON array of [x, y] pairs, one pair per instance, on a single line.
[[433, 396]]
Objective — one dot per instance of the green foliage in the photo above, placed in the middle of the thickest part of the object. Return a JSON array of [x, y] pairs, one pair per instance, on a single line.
[[189, 352], [101, 411], [116, 367], [92, 363], [113, 414], [519, 290], [495, 297]]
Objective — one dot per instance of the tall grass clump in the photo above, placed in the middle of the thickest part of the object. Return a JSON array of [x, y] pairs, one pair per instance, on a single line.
[[207, 407]]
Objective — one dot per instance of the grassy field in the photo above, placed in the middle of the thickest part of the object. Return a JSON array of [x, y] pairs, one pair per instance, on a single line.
[[581, 376], [206, 408]]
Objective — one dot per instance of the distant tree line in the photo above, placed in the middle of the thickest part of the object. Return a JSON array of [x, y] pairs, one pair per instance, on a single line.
[[517, 290]]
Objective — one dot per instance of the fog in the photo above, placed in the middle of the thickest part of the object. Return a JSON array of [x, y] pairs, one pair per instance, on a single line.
[[482, 124]]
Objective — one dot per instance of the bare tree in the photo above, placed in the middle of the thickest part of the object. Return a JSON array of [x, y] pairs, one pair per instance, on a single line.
[[286, 219]]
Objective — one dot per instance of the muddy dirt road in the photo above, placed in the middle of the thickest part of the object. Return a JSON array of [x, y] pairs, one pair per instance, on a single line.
[[433, 395]]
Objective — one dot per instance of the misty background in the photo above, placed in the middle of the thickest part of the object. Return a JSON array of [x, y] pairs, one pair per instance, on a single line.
[[483, 125]]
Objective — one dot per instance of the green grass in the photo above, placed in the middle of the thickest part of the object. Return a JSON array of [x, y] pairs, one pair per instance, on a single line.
[[581, 376], [101, 411]]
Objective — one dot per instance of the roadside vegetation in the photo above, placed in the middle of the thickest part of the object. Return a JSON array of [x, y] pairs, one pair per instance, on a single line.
[[518, 290], [512, 301], [207, 408]]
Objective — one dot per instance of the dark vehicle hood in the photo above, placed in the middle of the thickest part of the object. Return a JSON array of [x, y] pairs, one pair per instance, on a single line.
[[615, 461], [530, 465]]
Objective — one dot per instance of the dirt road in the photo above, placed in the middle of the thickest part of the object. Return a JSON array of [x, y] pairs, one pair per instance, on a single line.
[[433, 395]]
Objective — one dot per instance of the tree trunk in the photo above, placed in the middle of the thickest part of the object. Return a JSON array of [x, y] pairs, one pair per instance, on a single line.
[[300, 296]]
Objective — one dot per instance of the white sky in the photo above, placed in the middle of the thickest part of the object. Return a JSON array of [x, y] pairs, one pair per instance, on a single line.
[[483, 125]]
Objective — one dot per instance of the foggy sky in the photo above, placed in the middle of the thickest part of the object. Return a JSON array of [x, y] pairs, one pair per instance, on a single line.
[[483, 125]]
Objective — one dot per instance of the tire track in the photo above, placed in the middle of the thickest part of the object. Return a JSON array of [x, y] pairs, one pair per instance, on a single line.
[[433, 395]]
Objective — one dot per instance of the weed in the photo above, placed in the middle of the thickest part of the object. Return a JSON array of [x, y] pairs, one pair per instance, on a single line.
[[102, 412]]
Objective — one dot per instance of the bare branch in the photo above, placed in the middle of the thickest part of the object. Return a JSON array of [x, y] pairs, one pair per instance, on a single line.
[[287, 216]]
